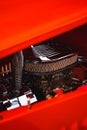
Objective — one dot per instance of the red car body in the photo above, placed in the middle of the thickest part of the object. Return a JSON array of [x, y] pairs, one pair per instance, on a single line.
[[25, 22]]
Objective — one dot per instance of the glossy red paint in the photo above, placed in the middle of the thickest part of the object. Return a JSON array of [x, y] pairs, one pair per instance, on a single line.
[[62, 112], [25, 22]]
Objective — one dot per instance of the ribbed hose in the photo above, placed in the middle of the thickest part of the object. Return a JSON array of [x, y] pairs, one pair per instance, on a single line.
[[17, 68]]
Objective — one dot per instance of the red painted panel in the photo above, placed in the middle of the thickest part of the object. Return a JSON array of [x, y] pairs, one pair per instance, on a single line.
[[23, 20], [67, 111]]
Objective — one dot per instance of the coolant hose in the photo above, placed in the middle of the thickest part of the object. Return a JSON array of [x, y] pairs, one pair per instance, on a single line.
[[17, 68]]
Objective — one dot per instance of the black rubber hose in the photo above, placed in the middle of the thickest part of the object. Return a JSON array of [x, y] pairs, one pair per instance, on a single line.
[[17, 68]]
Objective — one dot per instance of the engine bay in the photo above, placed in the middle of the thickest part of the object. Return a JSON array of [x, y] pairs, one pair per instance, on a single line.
[[40, 72]]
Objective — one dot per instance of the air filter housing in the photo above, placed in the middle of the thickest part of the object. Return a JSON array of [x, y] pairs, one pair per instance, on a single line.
[[49, 58]]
